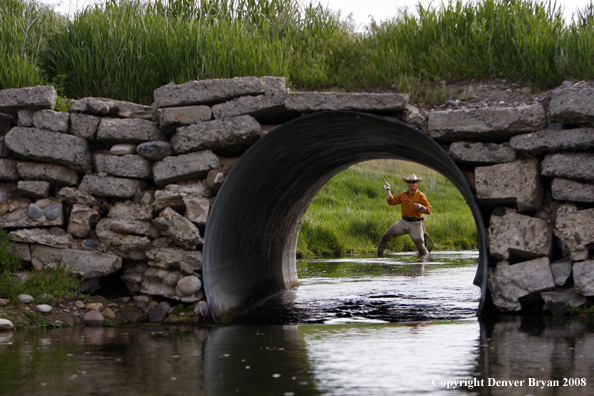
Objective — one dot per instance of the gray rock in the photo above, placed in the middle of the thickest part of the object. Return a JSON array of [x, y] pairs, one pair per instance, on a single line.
[[576, 166], [42, 237], [32, 98], [54, 174], [84, 126], [131, 165], [519, 236], [548, 141], [172, 278], [155, 151], [335, 101], [8, 170], [53, 211], [81, 219], [113, 130], [87, 264], [132, 277], [230, 136], [25, 118], [188, 285], [197, 209], [572, 190], [73, 196], [123, 149], [89, 244], [573, 105], [268, 108], [110, 186], [181, 230], [515, 182], [129, 210], [413, 116], [94, 319], [25, 298], [183, 167], [482, 153], [134, 227], [207, 92], [104, 107], [173, 195], [560, 303], [492, 124], [125, 245], [583, 277], [44, 308], [561, 270], [33, 189], [215, 179], [186, 261], [575, 228], [173, 117], [51, 121], [508, 283], [44, 146], [34, 212]]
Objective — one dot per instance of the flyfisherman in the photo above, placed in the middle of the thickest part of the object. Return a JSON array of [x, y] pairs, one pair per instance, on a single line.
[[414, 204]]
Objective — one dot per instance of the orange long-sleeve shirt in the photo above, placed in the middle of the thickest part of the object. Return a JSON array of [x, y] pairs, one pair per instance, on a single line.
[[406, 201]]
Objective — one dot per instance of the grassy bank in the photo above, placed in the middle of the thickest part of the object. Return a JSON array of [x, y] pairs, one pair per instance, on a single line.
[[124, 49], [350, 214]]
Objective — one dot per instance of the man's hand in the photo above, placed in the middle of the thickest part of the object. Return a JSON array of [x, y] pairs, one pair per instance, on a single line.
[[420, 207]]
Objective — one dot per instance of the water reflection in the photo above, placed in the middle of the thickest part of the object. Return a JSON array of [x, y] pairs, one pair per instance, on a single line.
[[325, 351]]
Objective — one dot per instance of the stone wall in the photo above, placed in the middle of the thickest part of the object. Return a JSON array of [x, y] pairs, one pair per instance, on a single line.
[[119, 188]]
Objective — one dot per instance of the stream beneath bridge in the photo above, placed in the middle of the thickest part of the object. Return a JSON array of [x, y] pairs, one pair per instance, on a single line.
[[355, 326]]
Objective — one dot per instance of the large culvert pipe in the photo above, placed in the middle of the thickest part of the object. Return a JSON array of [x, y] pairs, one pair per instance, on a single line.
[[251, 235]]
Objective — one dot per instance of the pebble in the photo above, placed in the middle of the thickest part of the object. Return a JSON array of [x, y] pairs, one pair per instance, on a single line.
[[25, 298], [79, 304], [3, 302], [123, 149], [34, 212], [89, 244], [109, 313], [6, 324], [53, 211], [44, 308], [155, 151], [201, 310]]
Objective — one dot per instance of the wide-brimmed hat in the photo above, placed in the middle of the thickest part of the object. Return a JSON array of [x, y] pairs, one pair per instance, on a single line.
[[412, 177]]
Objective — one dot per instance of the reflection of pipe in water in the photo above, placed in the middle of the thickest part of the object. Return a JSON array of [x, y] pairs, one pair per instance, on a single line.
[[247, 359]]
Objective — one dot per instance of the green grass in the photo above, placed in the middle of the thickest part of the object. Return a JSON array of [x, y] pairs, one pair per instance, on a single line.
[[350, 214], [124, 49], [57, 282]]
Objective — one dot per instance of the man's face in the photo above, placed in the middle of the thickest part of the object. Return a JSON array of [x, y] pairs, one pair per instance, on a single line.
[[412, 186]]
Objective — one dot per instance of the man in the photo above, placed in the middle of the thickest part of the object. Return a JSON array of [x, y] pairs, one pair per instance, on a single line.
[[414, 204]]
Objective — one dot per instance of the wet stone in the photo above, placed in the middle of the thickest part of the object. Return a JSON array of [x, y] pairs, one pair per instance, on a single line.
[[157, 315], [89, 244]]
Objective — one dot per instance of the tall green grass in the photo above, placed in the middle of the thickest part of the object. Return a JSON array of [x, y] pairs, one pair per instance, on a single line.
[[25, 27], [124, 49], [350, 214]]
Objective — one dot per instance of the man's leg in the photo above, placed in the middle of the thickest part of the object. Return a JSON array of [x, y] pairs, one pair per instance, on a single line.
[[396, 230], [416, 234]]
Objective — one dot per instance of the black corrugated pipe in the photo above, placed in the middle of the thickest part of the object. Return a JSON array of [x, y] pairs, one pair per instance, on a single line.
[[251, 235]]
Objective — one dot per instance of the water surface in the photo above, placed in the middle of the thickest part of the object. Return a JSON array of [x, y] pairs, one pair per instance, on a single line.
[[363, 326]]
